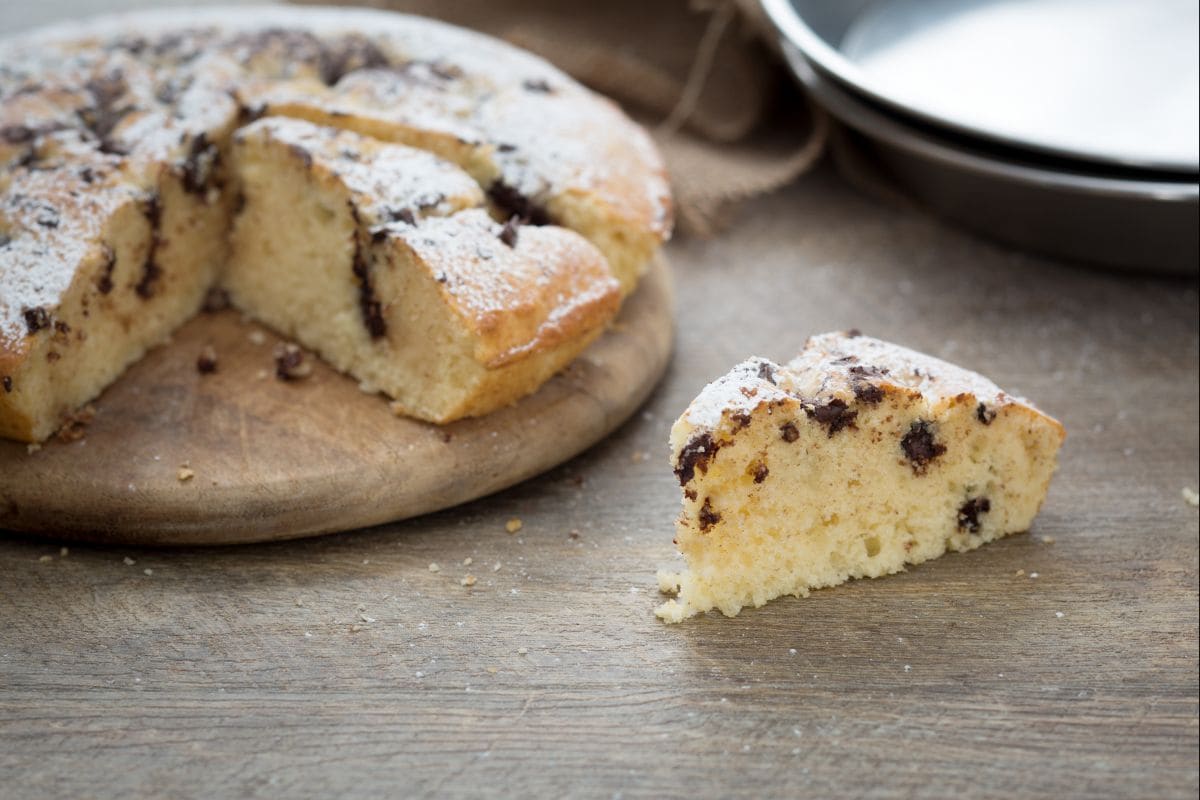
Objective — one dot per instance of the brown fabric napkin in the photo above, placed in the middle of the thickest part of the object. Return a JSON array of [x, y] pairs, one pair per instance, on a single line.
[[697, 74]]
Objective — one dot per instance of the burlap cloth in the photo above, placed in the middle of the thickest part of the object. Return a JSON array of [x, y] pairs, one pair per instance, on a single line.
[[699, 74]]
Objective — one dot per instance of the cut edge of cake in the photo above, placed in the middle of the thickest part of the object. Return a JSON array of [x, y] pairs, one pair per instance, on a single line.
[[383, 259], [856, 459]]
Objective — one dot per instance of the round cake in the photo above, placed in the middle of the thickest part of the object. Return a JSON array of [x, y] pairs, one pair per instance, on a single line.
[[444, 217]]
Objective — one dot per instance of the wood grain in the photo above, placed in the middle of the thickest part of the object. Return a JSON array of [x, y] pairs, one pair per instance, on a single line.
[[279, 460], [955, 679]]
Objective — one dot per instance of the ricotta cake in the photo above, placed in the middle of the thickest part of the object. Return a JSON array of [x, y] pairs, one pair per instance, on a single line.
[[855, 459], [468, 218]]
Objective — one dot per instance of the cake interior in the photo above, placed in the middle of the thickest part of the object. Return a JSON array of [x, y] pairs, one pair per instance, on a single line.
[[158, 254], [780, 504], [387, 285]]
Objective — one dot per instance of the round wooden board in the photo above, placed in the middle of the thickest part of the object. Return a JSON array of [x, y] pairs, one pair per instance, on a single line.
[[274, 460]]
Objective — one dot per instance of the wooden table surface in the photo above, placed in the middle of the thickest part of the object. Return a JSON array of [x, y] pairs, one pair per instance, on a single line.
[[1060, 664], [347, 666]]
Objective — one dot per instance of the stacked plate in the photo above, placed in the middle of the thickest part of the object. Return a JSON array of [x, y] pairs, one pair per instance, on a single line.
[[1070, 127]]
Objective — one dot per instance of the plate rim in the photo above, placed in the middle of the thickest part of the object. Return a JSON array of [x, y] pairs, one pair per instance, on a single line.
[[792, 29]]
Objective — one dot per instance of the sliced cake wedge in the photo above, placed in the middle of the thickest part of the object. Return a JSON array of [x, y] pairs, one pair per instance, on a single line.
[[383, 259], [94, 271], [855, 459]]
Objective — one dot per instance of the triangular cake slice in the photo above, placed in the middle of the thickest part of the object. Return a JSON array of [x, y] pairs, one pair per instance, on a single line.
[[855, 459], [385, 260]]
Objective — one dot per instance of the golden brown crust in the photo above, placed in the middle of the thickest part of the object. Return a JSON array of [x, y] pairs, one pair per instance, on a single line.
[[547, 287]]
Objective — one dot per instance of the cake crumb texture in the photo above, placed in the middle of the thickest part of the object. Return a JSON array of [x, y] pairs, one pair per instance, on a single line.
[[853, 460]]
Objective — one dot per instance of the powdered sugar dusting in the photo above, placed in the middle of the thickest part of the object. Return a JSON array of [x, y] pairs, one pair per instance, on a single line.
[[828, 363], [384, 179], [743, 389], [145, 88], [44, 225], [831, 366]]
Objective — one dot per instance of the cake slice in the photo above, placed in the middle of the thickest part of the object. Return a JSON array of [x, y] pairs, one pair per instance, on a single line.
[[855, 459], [545, 149], [383, 259], [96, 270]]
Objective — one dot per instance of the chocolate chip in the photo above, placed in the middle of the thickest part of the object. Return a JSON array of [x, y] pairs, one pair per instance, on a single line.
[[133, 45], [372, 309], [5, 240], [36, 319], [707, 516], [6, 382], [766, 371], [248, 114], [87, 175], [511, 203], [75, 424], [404, 215], [919, 445], [216, 300], [200, 165], [834, 415], [538, 85], [968, 513], [789, 432], [508, 234], [760, 472], [151, 271], [740, 419], [690, 494], [984, 414], [48, 217], [350, 54], [868, 393], [447, 72], [206, 363], [430, 200], [105, 283], [62, 327], [302, 154], [112, 147], [152, 210], [506, 148], [696, 454], [102, 117], [290, 364], [17, 134], [853, 333]]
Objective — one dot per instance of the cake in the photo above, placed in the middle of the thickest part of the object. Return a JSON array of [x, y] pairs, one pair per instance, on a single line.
[[495, 217], [855, 459], [384, 260]]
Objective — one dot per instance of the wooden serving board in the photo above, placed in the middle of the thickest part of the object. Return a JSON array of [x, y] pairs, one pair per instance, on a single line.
[[274, 460]]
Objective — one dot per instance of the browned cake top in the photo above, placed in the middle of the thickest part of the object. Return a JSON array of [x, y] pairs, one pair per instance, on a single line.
[[842, 368]]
